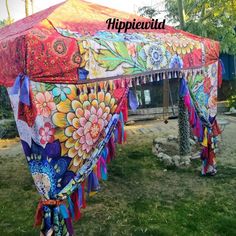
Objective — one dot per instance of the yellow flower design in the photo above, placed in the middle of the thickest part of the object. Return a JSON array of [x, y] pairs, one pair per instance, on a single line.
[[180, 44], [81, 123], [84, 52]]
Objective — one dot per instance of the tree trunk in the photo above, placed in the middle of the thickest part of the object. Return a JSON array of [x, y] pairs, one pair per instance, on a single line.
[[32, 6], [8, 12], [184, 129], [26, 7], [181, 13]]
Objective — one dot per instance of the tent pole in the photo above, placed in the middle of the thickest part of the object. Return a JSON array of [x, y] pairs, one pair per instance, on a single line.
[[171, 100], [165, 97]]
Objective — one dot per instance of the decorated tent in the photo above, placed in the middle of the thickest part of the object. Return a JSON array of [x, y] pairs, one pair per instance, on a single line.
[[68, 78]]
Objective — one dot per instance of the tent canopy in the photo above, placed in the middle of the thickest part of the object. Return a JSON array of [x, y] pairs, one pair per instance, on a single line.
[[78, 46], [68, 131]]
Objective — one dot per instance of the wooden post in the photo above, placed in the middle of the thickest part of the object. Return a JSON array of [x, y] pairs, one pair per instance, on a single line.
[[165, 97]]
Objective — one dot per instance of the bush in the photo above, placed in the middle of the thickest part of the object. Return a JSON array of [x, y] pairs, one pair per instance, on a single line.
[[231, 102]]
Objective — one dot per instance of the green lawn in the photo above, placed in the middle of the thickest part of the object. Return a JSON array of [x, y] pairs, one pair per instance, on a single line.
[[139, 198]]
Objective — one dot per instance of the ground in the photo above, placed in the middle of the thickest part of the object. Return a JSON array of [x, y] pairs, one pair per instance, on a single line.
[[141, 196]]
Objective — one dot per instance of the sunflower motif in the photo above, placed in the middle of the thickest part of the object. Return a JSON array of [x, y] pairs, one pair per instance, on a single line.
[[81, 123], [180, 44], [84, 53]]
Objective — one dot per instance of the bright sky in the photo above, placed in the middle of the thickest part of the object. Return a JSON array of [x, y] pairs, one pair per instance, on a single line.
[[18, 11]]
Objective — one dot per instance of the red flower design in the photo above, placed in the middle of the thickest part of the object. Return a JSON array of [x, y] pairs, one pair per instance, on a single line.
[[207, 85], [193, 59], [76, 58], [131, 49], [27, 113], [44, 103], [46, 133]]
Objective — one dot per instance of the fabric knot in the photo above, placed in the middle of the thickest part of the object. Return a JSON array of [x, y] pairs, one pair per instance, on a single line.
[[22, 84]]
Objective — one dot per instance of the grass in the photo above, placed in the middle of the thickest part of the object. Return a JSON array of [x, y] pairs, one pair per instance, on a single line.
[[139, 198]]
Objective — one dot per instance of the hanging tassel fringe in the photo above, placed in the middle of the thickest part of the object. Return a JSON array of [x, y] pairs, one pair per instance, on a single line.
[[54, 218], [38, 215], [76, 208], [93, 184], [120, 128]]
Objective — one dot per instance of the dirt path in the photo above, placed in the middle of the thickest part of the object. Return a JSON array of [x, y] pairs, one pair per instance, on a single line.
[[152, 129]]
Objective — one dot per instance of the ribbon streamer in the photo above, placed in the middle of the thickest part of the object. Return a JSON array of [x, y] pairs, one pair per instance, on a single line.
[[22, 84]]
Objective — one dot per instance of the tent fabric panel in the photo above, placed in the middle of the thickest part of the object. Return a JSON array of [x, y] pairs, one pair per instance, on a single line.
[[88, 18], [12, 59], [43, 55], [51, 57], [22, 26], [74, 26]]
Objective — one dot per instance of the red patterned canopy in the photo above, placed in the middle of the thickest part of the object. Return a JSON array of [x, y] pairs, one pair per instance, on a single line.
[[69, 42]]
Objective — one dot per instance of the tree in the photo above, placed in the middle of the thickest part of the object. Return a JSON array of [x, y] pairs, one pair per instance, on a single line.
[[32, 6], [212, 19], [184, 129], [181, 13], [147, 11], [26, 7], [207, 18], [9, 19], [2, 23]]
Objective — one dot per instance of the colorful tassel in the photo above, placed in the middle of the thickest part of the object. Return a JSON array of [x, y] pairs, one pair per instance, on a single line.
[[71, 207], [64, 211], [93, 184], [75, 200], [99, 168], [69, 226], [103, 168], [38, 215], [110, 150], [83, 195], [80, 194], [205, 139]]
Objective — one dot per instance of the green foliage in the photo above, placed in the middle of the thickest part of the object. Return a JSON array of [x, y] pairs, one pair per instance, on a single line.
[[112, 55], [5, 106], [207, 18], [147, 11], [5, 22], [2, 23], [8, 129], [231, 102]]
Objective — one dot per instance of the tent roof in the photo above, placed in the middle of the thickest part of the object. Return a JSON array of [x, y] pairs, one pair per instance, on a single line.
[[62, 44]]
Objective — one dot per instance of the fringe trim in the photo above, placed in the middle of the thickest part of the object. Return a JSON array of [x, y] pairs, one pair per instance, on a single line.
[[55, 217]]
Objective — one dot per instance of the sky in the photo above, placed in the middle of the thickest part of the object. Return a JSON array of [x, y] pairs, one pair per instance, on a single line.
[[17, 6]]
